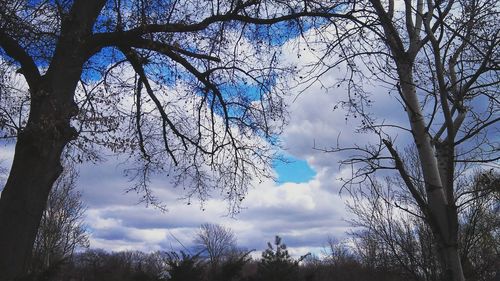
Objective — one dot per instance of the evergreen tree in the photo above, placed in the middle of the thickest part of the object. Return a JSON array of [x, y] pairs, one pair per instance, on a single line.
[[277, 264]]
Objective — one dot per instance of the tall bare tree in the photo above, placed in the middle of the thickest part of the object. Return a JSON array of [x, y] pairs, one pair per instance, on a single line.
[[402, 239], [216, 241], [440, 60], [200, 85]]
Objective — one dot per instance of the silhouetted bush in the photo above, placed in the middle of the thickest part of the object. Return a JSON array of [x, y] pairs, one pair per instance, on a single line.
[[184, 267], [231, 268]]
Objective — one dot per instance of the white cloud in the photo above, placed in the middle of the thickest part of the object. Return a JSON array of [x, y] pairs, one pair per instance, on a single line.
[[304, 214]]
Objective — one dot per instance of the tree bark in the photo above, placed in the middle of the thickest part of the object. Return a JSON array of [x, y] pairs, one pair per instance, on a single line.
[[441, 213], [35, 167], [36, 164]]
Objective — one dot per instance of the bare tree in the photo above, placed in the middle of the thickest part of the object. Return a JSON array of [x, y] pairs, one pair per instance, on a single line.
[[479, 229], [188, 88], [337, 253], [391, 239], [61, 229], [402, 239], [217, 241], [440, 60]]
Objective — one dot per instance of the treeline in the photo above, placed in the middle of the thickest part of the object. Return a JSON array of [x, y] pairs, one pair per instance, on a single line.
[[276, 264], [339, 261]]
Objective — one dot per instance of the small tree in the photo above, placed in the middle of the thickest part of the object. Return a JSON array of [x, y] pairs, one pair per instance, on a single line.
[[61, 229], [232, 267], [337, 252], [277, 264], [216, 241], [479, 217]]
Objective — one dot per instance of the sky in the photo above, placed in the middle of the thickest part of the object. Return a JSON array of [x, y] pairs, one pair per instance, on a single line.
[[304, 206]]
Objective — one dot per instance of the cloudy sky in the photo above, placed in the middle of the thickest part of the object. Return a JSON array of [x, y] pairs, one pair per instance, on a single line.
[[303, 206]]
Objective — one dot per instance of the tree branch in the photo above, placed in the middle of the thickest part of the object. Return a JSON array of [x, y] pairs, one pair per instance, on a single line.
[[15, 51], [406, 178]]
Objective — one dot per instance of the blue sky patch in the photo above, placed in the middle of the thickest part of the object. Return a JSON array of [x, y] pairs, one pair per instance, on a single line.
[[293, 170]]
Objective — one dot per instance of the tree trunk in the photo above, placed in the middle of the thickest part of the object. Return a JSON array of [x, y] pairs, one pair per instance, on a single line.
[[441, 214], [35, 168], [23, 200], [453, 263], [36, 164]]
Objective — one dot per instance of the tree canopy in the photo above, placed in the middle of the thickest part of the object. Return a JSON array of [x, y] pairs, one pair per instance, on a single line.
[[188, 88]]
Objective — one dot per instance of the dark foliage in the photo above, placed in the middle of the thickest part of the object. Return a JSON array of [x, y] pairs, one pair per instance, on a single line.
[[277, 264], [184, 267]]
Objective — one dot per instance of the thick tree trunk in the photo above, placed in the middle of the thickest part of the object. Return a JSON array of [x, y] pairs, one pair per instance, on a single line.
[[35, 168], [40, 144], [441, 213], [453, 263]]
